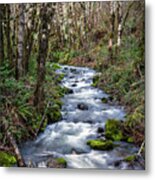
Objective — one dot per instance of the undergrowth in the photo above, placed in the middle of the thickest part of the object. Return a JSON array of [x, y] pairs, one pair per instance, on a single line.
[[17, 112]]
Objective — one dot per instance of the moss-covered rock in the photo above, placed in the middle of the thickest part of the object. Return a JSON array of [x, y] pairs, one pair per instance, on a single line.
[[104, 100], [101, 144], [96, 80], [130, 139], [56, 163], [130, 158], [54, 116], [113, 130], [6, 159], [62, 161]]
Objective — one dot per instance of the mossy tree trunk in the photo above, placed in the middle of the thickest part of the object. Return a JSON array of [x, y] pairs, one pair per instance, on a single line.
[[42, 55], [21, 31], [31, 28], [8, 37], [112, 29], [1, 34]]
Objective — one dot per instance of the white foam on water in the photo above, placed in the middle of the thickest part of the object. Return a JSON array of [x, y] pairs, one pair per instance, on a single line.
[[68, 138]]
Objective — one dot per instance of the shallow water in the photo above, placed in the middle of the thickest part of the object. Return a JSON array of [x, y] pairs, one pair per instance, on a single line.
[[67, 138]]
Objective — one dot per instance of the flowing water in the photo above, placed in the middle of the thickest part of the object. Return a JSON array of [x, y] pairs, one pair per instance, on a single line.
[[68, 137]]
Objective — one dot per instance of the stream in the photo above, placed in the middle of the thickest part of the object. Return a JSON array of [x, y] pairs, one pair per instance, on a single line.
[[83, 114]]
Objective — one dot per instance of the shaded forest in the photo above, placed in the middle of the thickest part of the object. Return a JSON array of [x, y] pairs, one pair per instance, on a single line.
[[34, 38]]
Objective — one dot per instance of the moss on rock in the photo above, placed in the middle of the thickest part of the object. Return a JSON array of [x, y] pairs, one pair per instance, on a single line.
[[130, 158], [61, 161], [6, 159], [96, 80], [104, 100], [130, 139], [56, 163], [101, 144], [54, 116], [113, 130]]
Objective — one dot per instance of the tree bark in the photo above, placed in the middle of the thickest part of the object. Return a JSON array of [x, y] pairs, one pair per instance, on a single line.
[[8, 38], [1, 35], [112, 29], [42, 55], [29, 39], [119, 28], [21, 30]]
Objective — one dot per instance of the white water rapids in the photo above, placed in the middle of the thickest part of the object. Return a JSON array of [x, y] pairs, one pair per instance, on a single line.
[[68, 137]]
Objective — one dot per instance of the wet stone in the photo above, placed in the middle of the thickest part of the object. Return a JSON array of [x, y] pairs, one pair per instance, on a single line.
[[117, 163], [82, 106], [73, 70], [66, 68], [100, 130], [71, 77], [70, 91], [74, 85]]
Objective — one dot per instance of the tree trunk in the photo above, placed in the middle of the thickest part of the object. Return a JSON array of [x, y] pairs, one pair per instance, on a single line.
[[29, 39], [1, 35], [21, 30], [43, 50], [8, 40], [119, 28], [112, 29]]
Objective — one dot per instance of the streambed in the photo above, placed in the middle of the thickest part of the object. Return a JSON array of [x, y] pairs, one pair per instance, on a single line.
[[83, 113]]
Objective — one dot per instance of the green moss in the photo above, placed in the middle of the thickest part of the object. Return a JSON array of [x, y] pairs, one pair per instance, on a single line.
[[101, 144], [58, 102], [95, 80], [61, 161], [62, 91], [54, 114], [58, 78], [113, 130], [130, 158], [6, 159], [55, 66], [130, 140], [135, 118]]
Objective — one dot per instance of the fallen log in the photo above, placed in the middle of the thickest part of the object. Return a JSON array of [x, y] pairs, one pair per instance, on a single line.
[[20, 160]]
